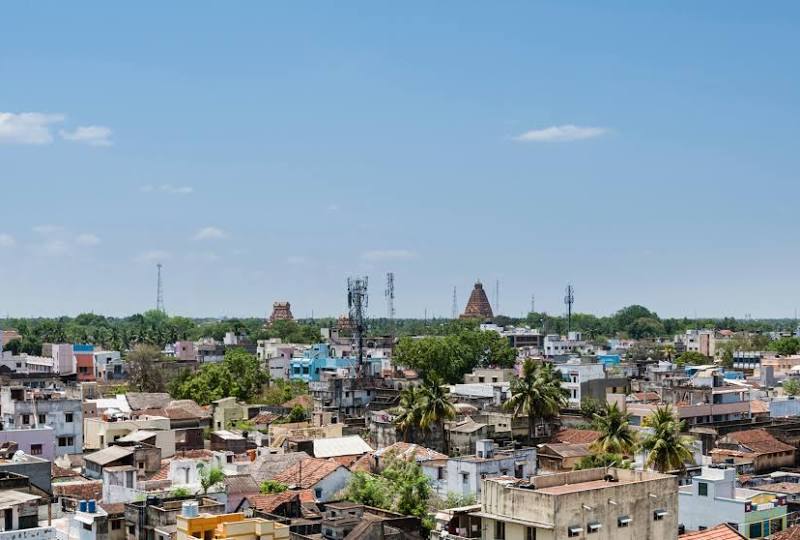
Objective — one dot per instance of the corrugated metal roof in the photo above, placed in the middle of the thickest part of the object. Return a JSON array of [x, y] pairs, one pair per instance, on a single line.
[[107, 455], [340, 446]]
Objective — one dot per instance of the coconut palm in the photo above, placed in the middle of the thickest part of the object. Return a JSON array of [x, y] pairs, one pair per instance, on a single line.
[[537, 394], [436, 408], [667, 450], [616, 434], [410, 412]]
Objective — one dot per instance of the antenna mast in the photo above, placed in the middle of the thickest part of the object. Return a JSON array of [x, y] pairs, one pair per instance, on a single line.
[[159, 291], [533, 303], [357, 304], [455, 304], [569, 299], [497, 297], [390, 300]]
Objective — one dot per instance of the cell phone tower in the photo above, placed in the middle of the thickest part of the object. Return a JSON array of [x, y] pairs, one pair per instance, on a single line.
[[159, 291], [569, 300], [455, 304], [390, 301], [357, 301]]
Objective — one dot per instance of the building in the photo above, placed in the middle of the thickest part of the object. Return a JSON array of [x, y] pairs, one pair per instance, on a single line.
[[281, 311], [325, 477], [604, 504], [34, 441], [316, 362], [723, 531], [713, 498], [478, 306], [562, 457], [84, 362], [575, 373], [756, 447], [556, 345], [191, 524], [490, 375], [102, 432], [21, 409], [156, 519], [699, 341], [184, 350], [109, 366], [64, 358], [464, 474]]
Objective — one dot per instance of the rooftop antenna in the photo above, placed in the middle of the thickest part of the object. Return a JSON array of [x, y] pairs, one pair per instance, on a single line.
[[357, 304], [159, 291], [390, 300], [533, 303], [497, 297], [569, 299], [455, 304]]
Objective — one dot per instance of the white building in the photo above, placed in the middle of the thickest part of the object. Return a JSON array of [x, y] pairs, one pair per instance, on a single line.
[[574, 372], [713, 498], [555, 345], [464, 474]]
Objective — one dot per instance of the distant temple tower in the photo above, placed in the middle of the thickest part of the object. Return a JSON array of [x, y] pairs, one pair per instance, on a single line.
[[281, 311], [478, 306]]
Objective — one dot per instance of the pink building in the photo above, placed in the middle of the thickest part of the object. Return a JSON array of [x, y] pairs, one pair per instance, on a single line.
[[35, 441]]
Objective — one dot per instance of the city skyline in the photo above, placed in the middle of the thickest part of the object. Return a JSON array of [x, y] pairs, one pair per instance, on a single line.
[[642, 153]]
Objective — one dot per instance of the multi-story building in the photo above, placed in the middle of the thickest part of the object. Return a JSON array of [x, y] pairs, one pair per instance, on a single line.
[[464, 474], [556, 345], [713, 498], [84, 362], [21, 408], [191, 525], [101, 432], [699, 341], [575, 373], [601, 504], [64, 358], [109, 366]]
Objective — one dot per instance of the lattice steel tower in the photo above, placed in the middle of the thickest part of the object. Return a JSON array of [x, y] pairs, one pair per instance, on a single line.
[[569, 299], [357, 303], [159, 291]]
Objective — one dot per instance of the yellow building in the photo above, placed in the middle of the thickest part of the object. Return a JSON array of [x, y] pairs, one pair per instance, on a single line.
[[228, 527]]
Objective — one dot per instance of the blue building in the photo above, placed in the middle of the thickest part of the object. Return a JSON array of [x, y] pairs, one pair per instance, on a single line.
[[315, 361]]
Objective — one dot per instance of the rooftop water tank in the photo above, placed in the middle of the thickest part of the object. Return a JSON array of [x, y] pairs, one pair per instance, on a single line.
[[190, 509]]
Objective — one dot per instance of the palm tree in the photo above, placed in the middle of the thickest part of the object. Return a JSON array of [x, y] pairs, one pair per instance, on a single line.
[[410, 412], [616, 434], [436, 407], [536, 394], [667, 450]]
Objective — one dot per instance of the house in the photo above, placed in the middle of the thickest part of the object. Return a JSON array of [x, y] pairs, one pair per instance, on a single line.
[[191, 524], [84, 362], [722, 531], [344, 519], [37, 470], [109, 366], [463, 436], [239, 487], [561, 457], [343, 449], [575, 436], [103, 431], [157, 518], [225, 440], [713, 498], [490, 375], [464, 474], [35, 441], [22, 408], [595, 503], [756, 446], [325, 477]]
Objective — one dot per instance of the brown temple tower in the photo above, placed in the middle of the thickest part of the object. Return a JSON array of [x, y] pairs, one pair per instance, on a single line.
[[478, 306], [281, 311]]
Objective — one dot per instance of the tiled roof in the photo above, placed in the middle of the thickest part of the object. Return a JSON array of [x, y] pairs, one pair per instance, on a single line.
[[759, 407], [240, 483], [792, 533], [362, 464], [307, 473], [109, 455], [720, 532], [148, 400], [409, 451], [267, 466], [646, 396], [190, 406], [759, 441], [113, 508], [270, 503], [264, 418], [195, 454], [162, 473], [91, 489], [565, 450], [576, 436], [61, 472]]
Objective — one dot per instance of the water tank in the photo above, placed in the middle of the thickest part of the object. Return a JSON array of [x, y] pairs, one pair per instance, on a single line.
[[82, 505], [190, 509], [92, 506]]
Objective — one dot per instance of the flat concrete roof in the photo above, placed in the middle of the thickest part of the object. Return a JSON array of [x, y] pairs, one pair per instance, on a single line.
[[581, 486]]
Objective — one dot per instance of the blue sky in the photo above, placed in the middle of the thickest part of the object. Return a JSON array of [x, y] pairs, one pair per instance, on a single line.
[[644, 151]]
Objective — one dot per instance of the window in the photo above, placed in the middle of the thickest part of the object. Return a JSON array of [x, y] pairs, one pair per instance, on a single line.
[[593, 527], [623, 521], [530, 533], [68, 417], [129, 479], [36, 449], [775, 525], [572, 532], [440, 473], [116, 524], [42, 418], [755, 530], [499, 530], [26, 419], [87, 526], [132, 530], [318, 493], [702, 489], [658, 515]]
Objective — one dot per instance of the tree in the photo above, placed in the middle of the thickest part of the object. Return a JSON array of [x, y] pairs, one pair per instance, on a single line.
[[791, 387], [210, 477], [239, 375], [402, 487], [297, 414], [537, 394], [272, 486], [143, 372], [785, 346], [645, 327], [602, 460], [247, 374], [616, 434], [436, 408], [667, 450], [691, 358], [409, 417], [625, 318], [591, 407]]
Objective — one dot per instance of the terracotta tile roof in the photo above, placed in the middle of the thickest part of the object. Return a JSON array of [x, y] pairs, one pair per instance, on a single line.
[[61, 472], [270, 503], [264, 418], [307, 473], [162, 473], [304, 400], [147, 400], [720, 532], [362, 464], [240, 483], [565, 450], [576, 436], [759, 441], [409, 451], [346, 461], [646, 396], [113, 508], [267, 466], [92, 489], [195, 454], [759, 407], [191, 407], [791, 488], [792, 533]]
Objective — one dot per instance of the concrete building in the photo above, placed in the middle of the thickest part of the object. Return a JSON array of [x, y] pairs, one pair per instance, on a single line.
[[34, 441], [192, 525], [576, 373], [490, 375], [699, 341], [21, 408], [325, 478], [109, 366], [713, 498], [64, 358], [101, 432], [464, 474], [156, 519], [185, 350], [84, 362], [603, 504], [316, 361], [555, 345]]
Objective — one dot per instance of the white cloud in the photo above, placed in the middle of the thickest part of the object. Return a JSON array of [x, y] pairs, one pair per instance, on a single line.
[[91, 135], [87, 239], [152, 256], [27, 128], [210, 233], [7, 241], [47, 230], [563, 133], [51, 248], [388, 255], [168, 188]]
